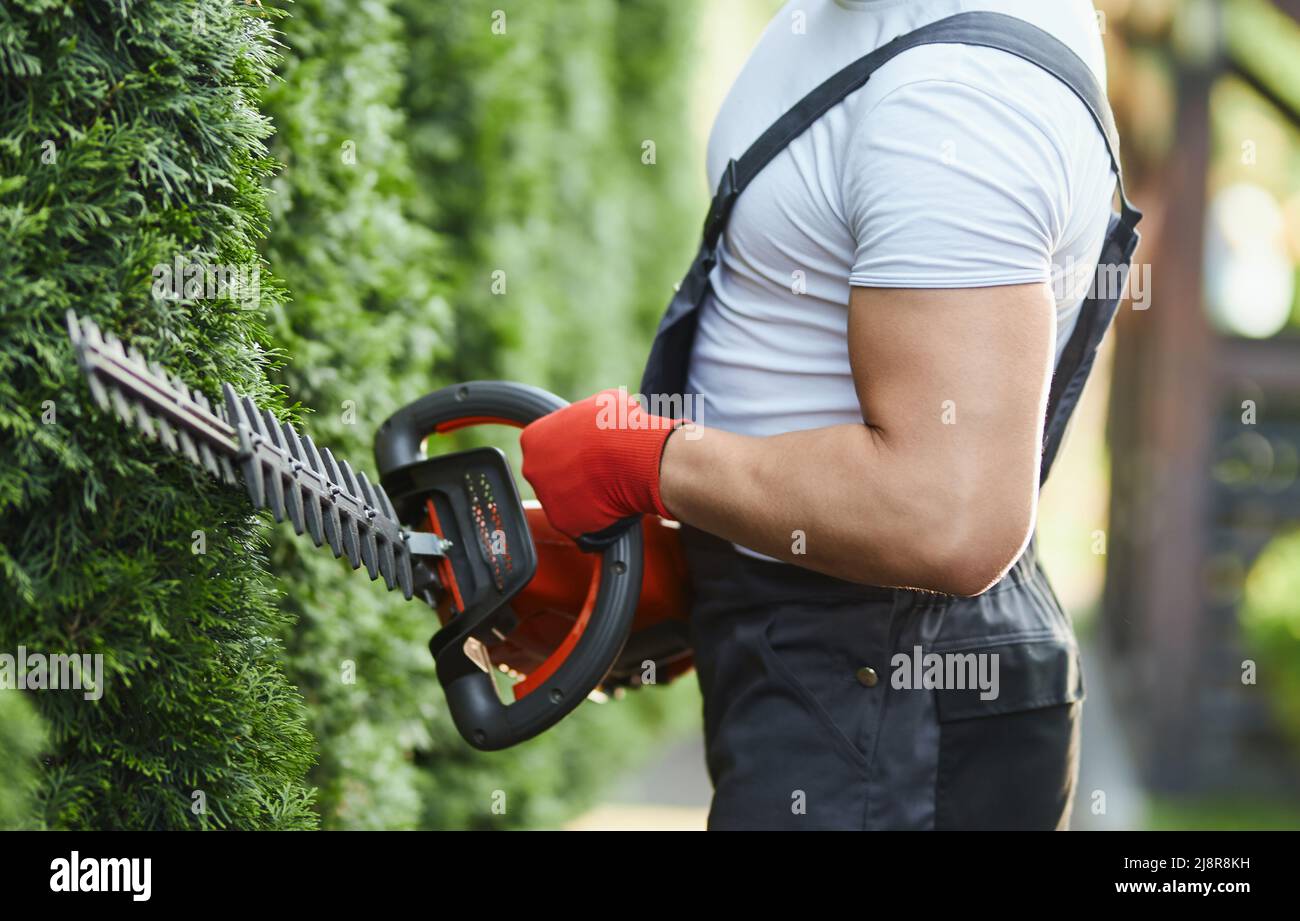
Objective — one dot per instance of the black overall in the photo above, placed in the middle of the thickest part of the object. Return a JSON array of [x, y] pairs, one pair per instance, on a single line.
[[804, 725]]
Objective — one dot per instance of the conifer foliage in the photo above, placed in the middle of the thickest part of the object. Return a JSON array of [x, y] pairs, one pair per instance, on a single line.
[[21, 739], [423, 148], [362, 328], [130, 142], [452, 190]]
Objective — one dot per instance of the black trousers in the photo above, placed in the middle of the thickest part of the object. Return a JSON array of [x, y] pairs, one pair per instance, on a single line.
[[820, 711]]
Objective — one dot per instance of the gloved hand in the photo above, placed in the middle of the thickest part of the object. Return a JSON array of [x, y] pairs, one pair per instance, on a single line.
[[595, 465]]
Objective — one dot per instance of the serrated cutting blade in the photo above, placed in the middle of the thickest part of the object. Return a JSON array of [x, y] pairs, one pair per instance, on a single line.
[[283, 470]]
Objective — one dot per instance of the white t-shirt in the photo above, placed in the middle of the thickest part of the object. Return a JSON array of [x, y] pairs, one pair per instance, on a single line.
[[953, 167]]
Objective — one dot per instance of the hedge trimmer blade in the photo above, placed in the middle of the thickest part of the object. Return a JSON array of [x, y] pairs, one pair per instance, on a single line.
[[282, 469]]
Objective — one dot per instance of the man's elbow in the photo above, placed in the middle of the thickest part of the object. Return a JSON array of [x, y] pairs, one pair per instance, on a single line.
[[977, 548], [975, 571]]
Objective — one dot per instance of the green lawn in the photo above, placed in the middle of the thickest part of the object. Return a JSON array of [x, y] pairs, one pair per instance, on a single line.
[[1222, 814]]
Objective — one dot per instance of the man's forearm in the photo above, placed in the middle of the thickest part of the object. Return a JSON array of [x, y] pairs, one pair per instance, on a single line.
[[841, 500]]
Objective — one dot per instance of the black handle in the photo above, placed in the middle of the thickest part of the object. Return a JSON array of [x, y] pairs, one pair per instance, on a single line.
[[397, 442], [477, 710]]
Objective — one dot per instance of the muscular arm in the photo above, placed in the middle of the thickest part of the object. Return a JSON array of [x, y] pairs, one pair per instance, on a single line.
[[938, 489]]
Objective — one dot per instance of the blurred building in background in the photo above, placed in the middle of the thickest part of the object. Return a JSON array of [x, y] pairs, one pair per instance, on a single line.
[[1199, 636]]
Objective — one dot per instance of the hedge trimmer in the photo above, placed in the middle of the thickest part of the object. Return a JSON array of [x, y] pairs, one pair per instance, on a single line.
[[449, 530]]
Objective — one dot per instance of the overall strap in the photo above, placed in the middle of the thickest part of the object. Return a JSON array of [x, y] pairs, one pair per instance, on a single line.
[[978, 28]]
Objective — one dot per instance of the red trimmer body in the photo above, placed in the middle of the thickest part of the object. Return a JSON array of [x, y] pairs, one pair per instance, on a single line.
[[554, 607], [515, 596]]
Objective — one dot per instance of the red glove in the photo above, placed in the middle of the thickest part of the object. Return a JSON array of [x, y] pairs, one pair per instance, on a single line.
[[595, 464]]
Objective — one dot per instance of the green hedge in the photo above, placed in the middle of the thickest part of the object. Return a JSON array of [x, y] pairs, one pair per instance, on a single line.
[[420, 153], [363, 324], [529, 144], [399, 174], [22, 738], [127, 140]]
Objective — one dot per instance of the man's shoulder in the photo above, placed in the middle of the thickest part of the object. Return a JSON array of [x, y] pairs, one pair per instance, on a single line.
[[999, 74], [966, 87], [788, 62]]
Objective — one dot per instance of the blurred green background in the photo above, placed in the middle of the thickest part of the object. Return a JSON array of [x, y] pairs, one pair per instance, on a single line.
[[447, 190]]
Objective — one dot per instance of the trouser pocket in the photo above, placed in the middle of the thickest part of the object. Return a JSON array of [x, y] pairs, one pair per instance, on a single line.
[[1008, 745], [1008, 771]]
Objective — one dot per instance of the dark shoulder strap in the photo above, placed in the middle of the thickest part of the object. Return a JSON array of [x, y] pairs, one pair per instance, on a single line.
[[667, 366], [981, 28]]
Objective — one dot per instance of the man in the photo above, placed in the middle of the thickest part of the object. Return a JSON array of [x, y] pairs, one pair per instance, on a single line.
[[873, 345]]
